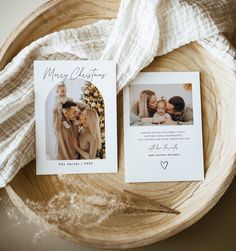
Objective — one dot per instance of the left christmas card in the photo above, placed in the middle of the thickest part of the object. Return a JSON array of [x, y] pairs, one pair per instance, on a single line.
[[75, 116]]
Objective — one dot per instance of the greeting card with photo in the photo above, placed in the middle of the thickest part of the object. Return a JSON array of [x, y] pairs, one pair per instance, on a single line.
[[163, 128], [75, 114]]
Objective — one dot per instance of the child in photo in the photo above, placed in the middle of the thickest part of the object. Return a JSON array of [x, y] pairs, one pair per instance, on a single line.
[[61, 99], [161, 115]]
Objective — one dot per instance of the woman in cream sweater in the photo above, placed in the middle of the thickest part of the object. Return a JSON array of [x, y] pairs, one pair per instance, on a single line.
[[145, 107], [89, 140]]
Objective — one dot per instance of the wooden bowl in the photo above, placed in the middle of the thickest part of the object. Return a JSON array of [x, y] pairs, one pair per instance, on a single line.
[[192, 199]]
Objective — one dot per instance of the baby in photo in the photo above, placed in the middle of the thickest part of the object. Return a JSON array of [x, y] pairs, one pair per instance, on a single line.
[[61, 99], [161, 115]]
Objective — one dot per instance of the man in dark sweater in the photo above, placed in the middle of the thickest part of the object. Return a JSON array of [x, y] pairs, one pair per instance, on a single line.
[[180, 114]]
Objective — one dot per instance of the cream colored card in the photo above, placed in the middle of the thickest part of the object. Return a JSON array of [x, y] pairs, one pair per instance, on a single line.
[[163, 128]]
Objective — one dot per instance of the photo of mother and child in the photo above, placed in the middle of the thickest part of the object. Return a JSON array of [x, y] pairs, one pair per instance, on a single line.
[[151, 110], [76, 127]]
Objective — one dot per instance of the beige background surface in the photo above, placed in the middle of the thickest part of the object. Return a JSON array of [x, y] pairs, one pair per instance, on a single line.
[[215, 232]]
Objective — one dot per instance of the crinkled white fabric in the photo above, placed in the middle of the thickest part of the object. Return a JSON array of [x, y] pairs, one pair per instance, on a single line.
[[144, 29]]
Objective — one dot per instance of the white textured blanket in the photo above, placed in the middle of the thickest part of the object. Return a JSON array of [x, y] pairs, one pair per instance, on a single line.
[[144, 29]]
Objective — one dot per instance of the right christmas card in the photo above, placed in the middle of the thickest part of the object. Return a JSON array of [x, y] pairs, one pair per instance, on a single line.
[[163, 127]]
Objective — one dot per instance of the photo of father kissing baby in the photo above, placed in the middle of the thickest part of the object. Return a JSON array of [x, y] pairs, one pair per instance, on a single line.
[[161, 105]]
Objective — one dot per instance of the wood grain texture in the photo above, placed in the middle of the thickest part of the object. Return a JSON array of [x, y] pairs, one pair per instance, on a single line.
[[192, 199]]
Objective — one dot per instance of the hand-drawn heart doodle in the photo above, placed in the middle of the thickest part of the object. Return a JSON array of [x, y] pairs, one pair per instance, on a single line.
[[164, 164]]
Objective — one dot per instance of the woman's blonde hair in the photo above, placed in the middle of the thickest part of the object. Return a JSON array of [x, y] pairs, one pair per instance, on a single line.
[[94, 126], [144, 99]]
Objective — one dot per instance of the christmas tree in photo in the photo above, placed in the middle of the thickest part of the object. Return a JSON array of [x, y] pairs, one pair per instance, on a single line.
[[92, 96]]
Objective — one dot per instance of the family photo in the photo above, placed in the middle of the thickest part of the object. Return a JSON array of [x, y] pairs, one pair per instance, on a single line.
[[161, 104], [75, 122]]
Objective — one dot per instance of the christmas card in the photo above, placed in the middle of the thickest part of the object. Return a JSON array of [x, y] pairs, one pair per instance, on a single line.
[[75, 114], [163, 128]]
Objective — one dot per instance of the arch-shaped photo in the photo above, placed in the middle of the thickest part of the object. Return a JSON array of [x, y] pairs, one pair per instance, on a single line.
[[75, 121]]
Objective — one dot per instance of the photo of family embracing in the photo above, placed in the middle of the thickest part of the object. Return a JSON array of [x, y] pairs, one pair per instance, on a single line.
[[161, 105], [74, 121]]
